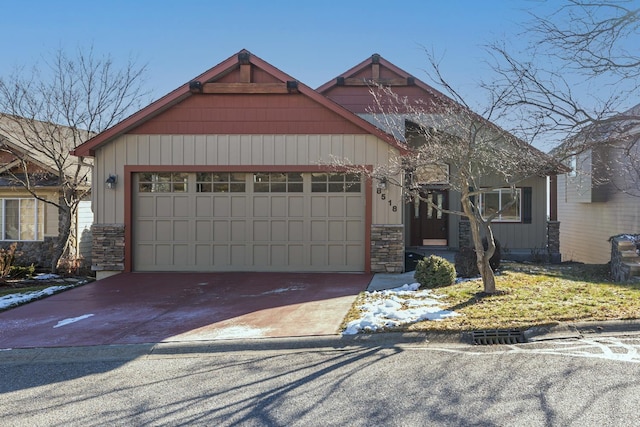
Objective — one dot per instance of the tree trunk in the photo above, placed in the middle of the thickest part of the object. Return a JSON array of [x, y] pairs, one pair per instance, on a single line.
[[64, 230], [488, 278], [482, 256]]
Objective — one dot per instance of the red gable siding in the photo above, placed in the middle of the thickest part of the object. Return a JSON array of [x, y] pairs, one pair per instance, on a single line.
[[241, 95], [358, 99], [248, 114]]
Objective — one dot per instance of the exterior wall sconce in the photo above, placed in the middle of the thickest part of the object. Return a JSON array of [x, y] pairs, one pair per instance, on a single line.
[[382, 184], [111, 181]]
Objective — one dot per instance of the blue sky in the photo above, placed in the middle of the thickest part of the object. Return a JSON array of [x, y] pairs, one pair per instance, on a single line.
[[313, 41]]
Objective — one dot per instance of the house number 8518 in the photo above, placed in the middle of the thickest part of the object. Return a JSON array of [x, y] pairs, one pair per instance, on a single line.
[[383, 196]]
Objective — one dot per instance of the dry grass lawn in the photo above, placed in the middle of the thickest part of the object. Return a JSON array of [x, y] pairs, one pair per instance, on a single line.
[[534, 295]]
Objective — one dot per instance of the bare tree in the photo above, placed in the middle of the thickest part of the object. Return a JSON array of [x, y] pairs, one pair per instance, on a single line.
[[444, 141], [574, 82], [53, 108]]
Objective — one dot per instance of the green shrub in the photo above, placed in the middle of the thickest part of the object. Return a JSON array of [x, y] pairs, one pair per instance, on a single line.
[[434, 272]]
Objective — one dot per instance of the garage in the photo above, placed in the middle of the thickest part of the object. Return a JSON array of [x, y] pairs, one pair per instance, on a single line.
[[248, 221], [244, 169]]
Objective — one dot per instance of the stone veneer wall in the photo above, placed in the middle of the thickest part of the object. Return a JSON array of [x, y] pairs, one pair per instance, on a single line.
[[464, 234], [108, 247], [625, 261], [553, 241], [387, 248], [38, 253]]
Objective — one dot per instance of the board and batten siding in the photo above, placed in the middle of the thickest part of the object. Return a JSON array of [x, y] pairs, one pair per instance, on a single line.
[[513, 235], [236, 150], [585, 228]]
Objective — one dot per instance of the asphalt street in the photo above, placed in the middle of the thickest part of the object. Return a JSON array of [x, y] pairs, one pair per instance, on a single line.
[[592, 381]]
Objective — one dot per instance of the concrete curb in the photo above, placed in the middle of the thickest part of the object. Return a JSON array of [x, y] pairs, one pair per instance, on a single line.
[[126, 352], [571, 330]]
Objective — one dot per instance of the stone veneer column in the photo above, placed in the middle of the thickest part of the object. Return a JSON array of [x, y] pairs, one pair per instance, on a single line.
[[553, 241], [625, 261], [387, 248], [464, 234], [108, 249]]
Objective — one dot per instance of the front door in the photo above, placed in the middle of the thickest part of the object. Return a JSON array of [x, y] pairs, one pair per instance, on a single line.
[[428, 221]]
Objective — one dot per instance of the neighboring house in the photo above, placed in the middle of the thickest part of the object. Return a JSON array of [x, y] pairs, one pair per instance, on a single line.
[[25, 219], [233, 172], [600, 197]]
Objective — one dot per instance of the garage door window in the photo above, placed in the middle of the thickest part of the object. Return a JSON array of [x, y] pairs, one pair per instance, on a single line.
[[335, 183], [213, 182], [277, 182], [162, 182]]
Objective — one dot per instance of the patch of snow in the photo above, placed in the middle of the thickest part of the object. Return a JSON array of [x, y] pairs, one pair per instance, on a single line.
[[17, 299], [72, 320], [46, 276], [395, 307], [236, 332], [282, 290]]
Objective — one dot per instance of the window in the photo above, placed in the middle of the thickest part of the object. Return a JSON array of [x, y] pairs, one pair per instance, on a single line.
[[22, 219], [223, 182], [335, 183], [495, 200], [162, 182], [432, 174], [277, 182], [573, 164]]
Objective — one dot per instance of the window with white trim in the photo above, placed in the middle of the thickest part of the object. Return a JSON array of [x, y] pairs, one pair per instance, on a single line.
[[497, 199], [22, 219]]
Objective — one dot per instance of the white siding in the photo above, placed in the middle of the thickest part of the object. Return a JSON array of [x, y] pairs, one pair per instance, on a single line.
[[586, 227], [84, 222]]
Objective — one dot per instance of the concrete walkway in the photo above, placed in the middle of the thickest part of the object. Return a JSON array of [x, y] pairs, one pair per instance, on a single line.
[[383, 281]]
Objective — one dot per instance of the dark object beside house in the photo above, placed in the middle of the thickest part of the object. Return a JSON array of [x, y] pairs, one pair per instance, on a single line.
[[465, 260], [411, 259]]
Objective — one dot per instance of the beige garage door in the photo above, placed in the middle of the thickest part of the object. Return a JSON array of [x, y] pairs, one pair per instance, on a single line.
[[248, 221]]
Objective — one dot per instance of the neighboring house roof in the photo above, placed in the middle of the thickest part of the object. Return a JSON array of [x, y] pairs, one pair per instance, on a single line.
[[215, 74], [19, 135], [619, 129]]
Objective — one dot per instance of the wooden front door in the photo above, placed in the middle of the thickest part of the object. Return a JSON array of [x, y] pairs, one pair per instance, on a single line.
[[428, 222]]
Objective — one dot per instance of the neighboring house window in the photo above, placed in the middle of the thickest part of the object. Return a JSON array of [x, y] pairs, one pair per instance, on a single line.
[[573, 164], [495, 200], [22, 219], [277, 182], [432, 174], [220, 182], [162, 182], [335, 183]]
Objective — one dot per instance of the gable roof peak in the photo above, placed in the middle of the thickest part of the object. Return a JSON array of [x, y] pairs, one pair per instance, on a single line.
[[200, 84]]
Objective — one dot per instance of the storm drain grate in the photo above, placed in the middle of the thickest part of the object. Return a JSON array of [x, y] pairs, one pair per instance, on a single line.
[[498, 336]]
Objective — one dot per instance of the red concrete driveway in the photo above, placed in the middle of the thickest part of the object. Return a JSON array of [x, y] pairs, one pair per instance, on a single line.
[[133, 308]]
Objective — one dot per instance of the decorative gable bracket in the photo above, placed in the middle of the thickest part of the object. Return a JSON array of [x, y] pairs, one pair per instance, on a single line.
[[290, 86], [358, 81]]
